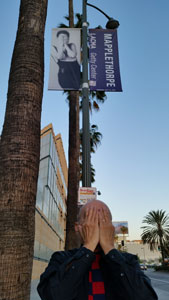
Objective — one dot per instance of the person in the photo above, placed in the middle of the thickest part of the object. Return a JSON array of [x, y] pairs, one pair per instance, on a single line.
[[95, 271], [65, 55]]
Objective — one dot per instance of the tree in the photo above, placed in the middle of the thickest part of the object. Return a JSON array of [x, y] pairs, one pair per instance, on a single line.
[[166, 247], [73, 170], [19, 152], [74, 144], [124, 230], [74, 149], [95, 140], [156, 232]]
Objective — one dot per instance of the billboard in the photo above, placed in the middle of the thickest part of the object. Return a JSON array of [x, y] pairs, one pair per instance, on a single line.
[[104, 60], [64, 71], [121, 227]]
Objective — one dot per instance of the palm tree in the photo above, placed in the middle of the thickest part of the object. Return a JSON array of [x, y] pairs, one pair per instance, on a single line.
[[167, 248], [74, 144], [73, 170], [95, 138], [124, 230], [74, 148], [95, 141], [19, 152], [156, 232]]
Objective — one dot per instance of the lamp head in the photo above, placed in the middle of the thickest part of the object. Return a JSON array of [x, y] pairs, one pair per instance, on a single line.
[[112, 24]]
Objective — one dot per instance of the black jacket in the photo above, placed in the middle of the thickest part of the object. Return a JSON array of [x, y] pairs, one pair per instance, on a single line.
[[66, 277]]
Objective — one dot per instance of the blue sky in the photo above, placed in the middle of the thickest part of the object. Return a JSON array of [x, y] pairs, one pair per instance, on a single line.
[[132, 164]]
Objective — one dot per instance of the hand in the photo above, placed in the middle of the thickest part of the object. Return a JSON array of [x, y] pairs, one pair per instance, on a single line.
[[106, 238], [89, 229]]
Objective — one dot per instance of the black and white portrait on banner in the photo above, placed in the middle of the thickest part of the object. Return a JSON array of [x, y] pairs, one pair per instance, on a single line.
[[65, 59]]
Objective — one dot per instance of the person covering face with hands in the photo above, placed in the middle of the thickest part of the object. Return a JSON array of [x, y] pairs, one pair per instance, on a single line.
[[95, 228], [95, 271]]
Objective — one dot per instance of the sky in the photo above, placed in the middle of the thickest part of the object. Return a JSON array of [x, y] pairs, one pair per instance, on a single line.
[[132, 163]]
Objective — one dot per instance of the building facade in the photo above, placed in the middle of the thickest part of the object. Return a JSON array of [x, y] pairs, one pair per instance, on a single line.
[[137, 247], [143, 251], [50, 215]]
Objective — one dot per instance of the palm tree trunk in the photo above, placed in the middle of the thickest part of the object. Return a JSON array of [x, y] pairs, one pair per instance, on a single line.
[[73, 177], [74, 152], [19, 152], [162, 250], [71, 14]]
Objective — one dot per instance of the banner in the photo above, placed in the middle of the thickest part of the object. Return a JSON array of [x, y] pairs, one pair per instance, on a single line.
[[65, 59], [104, 60]]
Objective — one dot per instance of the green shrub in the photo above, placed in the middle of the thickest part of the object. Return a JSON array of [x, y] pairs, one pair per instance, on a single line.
[[162, 268]]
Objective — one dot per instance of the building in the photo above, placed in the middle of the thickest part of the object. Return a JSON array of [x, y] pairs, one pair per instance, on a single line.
[[143, 251], [138, 248], [50, 215]]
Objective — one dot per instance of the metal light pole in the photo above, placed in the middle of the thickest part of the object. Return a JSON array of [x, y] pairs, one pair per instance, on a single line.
[[144, 256], [86, 164]]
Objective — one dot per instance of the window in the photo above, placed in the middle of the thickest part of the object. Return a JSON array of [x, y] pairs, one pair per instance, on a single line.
[[46, 202], [36, 249], [39, 195]]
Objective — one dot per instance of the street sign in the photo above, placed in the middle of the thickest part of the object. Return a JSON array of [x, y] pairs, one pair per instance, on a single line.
[[86, 194]]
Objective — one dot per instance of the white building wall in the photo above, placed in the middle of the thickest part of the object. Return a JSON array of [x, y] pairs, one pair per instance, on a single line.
[[143, 251]]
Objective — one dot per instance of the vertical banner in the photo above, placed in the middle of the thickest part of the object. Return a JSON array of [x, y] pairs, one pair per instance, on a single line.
[[104, 60], [65, 59]]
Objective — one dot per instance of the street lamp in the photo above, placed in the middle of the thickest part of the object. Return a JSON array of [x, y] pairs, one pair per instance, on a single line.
[[86, 165], [112, 23], [144, 256]]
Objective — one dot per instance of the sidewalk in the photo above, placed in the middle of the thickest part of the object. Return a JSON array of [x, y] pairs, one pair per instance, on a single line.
[[34, 293], [162, 295]]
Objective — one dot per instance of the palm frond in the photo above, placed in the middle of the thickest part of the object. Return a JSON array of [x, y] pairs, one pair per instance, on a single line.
[[96, 106], [156, 230], [62, 25]]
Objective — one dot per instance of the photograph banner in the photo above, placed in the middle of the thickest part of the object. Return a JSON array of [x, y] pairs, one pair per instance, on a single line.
[[104, 60], [65, 59]]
